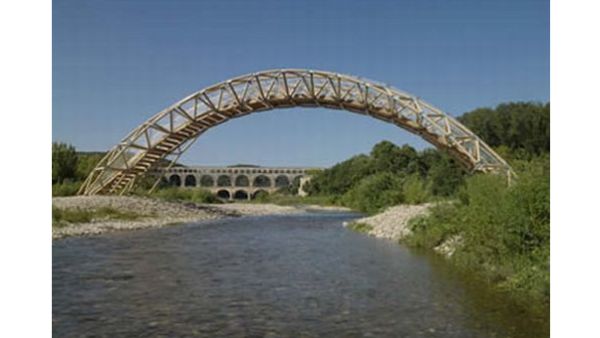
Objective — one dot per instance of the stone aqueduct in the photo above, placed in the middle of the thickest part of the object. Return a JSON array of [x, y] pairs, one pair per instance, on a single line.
[[235, 182], [168, 134]]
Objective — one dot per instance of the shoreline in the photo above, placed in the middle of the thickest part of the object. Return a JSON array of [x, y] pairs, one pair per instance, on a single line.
[[156, 213], [393, 224]]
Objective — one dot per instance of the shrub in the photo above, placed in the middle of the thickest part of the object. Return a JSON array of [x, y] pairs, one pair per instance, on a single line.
[[430, 231], [415, 190], [360, 227], [374, 193], [65, 188], [505, 229], [261, 196]]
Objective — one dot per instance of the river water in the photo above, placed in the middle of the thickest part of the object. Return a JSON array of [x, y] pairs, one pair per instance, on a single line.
[[275, 276]]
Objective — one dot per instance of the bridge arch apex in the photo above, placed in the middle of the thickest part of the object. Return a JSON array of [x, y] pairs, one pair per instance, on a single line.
[[172, 131]]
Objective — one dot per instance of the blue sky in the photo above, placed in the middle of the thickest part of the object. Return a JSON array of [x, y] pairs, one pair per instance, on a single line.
[[116, 63]]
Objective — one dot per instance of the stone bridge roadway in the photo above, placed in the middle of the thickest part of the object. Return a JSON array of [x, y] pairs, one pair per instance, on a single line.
[[237, 182]]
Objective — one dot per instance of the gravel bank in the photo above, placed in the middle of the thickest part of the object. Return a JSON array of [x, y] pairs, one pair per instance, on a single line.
[[159, 213], [393, 222], [247, 209]]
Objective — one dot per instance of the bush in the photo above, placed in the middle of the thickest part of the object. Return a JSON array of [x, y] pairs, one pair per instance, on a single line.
[[430, 231], [505, 229], [374, 193], [360, 227], [65, 188], [261, 196], [415, 190]]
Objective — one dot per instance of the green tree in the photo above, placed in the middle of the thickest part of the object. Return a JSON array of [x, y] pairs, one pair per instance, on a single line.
[[338, 179], [387, 156], [86, 163], [523, 126], [64, 162], [446, 176]]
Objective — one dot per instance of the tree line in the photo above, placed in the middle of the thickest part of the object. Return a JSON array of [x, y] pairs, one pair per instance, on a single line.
[[392, 174]]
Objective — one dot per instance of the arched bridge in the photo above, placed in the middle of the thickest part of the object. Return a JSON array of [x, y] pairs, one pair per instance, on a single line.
[[172, 131], [235, 182]]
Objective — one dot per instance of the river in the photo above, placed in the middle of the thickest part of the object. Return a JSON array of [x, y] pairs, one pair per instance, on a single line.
[[274, 276]]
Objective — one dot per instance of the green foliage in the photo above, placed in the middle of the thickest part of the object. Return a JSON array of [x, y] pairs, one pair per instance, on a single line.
[[195, 195], [415, 190], [61, 217], [86, 163], [261, 196], [505, 229], [374, 193], [65, 188], [144, 183], [519, 131], [64, 217], [70, 168], [64, 162], [387, 157], [360, 227], [523, 126], [445, 176], [341, 177], [360, 182], [430, 231]]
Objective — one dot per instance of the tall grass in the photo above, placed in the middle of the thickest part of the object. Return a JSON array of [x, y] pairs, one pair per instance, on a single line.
[[63, 217], [65, 188]]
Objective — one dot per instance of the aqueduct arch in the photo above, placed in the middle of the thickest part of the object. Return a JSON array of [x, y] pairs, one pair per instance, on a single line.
[[171, 132]]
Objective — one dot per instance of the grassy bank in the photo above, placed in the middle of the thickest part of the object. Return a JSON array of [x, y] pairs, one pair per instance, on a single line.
[[505, 230], [360, 227], [65, 189], [64, 217]]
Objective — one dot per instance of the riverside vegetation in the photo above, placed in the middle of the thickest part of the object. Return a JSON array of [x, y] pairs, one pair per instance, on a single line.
[[504, 230], [65, 217]]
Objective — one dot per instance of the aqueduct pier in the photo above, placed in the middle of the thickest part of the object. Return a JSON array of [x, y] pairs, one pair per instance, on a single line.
[[236, 182]]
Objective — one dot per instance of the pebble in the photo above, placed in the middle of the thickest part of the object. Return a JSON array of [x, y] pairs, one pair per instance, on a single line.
[[161, 213], [393, 222]]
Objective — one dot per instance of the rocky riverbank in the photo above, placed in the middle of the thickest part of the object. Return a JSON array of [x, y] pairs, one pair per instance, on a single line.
[[393, 222], [142, 212]]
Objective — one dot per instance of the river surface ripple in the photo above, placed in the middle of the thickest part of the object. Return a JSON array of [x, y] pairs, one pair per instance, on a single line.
[[275, 276]]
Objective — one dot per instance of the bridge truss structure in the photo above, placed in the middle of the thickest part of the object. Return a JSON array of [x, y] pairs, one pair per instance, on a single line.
[[168, 134]]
